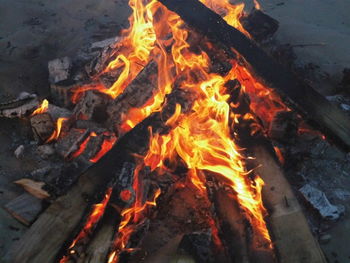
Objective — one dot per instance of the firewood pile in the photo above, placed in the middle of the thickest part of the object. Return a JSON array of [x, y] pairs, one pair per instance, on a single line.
[[169, 146]]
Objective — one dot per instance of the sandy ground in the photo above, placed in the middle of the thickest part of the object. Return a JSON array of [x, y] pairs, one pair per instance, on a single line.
[[320, 32], [32, 32]]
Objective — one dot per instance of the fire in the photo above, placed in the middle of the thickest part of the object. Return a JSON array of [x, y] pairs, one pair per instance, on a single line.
[[56, 134], [42, 108], [107, 144], [201, 137], [92, 220], [130, 218], [231, 13]]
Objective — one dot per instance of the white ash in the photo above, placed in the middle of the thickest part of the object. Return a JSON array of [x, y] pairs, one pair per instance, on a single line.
[[321, 203], [19, 152], [39, 173], [104, 43], [58, 112], [46, 150], [59, 69]]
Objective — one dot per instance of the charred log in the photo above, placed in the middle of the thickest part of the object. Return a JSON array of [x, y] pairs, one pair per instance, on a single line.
[[303, 98]]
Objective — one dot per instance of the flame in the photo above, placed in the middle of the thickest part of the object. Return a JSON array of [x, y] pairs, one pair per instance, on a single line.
[[279, 155], [56, 134], [257, 5], [201, 137], [134, 50], [130, 217], [230, 12], [42, 108], [92, 220], [105, 147]]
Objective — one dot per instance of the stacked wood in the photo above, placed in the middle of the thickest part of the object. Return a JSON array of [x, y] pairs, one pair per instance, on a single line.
[[138, 92], [303, 98]]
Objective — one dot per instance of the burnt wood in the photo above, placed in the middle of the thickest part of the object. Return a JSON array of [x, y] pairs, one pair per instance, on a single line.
[[43, 241], [303, 98]]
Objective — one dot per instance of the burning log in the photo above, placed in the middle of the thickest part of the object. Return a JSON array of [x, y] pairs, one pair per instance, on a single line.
[[292, 237], [304, 99], [97, 250], [259, 25], [40, 243], [138, 92]]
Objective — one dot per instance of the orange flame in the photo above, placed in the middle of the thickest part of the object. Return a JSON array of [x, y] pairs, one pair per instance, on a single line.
[[56, 134], [105, 147], [130, 217], [42, 108]]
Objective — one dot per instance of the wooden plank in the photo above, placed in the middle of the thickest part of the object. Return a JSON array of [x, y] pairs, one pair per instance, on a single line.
[[25, 208], [306, 100], [43, 241], [290, 231]]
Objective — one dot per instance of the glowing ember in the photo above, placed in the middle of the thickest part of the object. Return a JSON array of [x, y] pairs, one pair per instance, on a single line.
[[105, 147], [42, 108]]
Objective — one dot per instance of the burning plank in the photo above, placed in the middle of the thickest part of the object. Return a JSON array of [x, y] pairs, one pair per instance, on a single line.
[[303, 97], [39, 244], [292, 237]]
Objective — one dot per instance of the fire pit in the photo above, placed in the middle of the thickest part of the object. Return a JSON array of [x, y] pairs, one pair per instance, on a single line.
[[171, 128]]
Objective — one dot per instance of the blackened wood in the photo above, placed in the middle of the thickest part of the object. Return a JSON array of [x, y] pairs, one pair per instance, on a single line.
[[304, 98], [43, 241], [259, 25], [25, 208]]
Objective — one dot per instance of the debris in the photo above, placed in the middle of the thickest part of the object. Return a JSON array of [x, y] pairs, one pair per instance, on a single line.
[[320, 202], [39, 173], [46, 151], [33, 187], [19, 151], [22, 106], [104, 43], [25, 208], [42, 126], [59, 69]]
